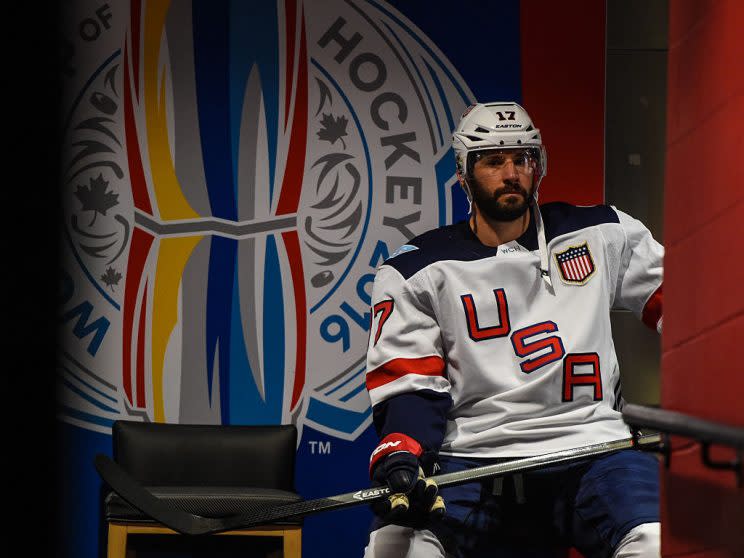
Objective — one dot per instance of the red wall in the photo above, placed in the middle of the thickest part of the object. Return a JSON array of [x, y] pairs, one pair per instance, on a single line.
[[563, 80], [702, 371]]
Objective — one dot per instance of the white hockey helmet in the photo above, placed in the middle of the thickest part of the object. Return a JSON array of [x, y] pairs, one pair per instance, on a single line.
[[486, 126], [502, 125]]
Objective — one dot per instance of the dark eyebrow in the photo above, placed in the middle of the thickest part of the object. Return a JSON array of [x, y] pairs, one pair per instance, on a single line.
[[492, 155]]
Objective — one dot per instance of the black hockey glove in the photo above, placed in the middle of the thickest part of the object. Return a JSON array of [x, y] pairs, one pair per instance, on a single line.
[[395, 463]]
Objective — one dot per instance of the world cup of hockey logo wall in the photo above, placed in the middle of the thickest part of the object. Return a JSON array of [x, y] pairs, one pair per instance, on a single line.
[[271, 156]]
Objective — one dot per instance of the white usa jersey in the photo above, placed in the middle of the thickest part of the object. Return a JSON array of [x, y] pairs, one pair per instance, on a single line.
[[516, 367]]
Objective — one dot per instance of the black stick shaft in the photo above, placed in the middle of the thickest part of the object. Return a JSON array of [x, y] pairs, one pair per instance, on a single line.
[[191, 524]]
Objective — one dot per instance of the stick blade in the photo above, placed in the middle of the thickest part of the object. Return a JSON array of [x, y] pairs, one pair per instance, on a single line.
[[139, 497]]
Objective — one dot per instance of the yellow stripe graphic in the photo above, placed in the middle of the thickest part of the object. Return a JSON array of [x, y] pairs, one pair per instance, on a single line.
[[173, 255], [170, 199]]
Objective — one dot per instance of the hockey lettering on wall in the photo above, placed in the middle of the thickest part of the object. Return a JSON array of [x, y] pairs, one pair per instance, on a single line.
[[229, 196]]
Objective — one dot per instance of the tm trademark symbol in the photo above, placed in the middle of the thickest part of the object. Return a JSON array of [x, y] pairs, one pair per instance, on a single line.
[[321, 448]]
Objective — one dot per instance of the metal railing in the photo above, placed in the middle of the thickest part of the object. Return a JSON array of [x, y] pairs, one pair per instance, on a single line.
[[706, 432]]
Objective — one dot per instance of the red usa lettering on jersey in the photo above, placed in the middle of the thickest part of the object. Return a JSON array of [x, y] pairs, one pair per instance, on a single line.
[[524, 347]]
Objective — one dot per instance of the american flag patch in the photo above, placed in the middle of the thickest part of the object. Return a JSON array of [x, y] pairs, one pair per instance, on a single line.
[[576, 264]]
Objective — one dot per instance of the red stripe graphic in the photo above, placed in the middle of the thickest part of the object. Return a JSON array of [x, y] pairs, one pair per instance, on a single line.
[[135, 29], [136, 174], [138, 252], [293, 174], [289, 200], [399, 367], [292, 243]]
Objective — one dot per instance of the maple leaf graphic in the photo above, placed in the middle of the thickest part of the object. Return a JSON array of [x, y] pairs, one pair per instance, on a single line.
[[111, 277], [333, 128], [95, 198]]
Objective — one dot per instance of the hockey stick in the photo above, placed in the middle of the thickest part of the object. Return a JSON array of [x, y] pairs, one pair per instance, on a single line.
[[190, 524]]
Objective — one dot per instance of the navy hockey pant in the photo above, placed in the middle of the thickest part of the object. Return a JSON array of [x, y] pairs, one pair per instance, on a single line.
[[589, 504]]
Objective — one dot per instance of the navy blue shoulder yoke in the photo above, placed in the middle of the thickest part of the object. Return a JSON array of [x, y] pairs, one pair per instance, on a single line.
[[562, 218], [450, 242], [457, 242]]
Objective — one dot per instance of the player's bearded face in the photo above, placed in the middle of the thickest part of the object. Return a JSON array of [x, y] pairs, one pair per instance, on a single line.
[[502, 184]]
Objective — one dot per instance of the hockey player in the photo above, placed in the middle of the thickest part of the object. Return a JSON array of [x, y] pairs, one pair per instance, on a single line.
[[491, 341]]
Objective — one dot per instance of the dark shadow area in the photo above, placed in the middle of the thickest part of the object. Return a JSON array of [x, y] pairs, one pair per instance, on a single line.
[[30, 263]]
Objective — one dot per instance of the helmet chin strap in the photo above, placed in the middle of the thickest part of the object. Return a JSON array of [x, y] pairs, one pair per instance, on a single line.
[[542, 245], [468, 194]]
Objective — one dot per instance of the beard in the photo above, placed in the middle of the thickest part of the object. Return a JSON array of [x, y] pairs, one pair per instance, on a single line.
[[510, 209]]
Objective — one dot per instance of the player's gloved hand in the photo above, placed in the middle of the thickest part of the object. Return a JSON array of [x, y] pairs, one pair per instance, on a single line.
[[395, 463]]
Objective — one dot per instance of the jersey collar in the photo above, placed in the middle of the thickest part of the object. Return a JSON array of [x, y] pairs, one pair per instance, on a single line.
[[528, 239]]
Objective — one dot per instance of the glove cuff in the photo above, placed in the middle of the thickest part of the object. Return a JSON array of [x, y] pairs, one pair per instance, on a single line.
[[393, 443]]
